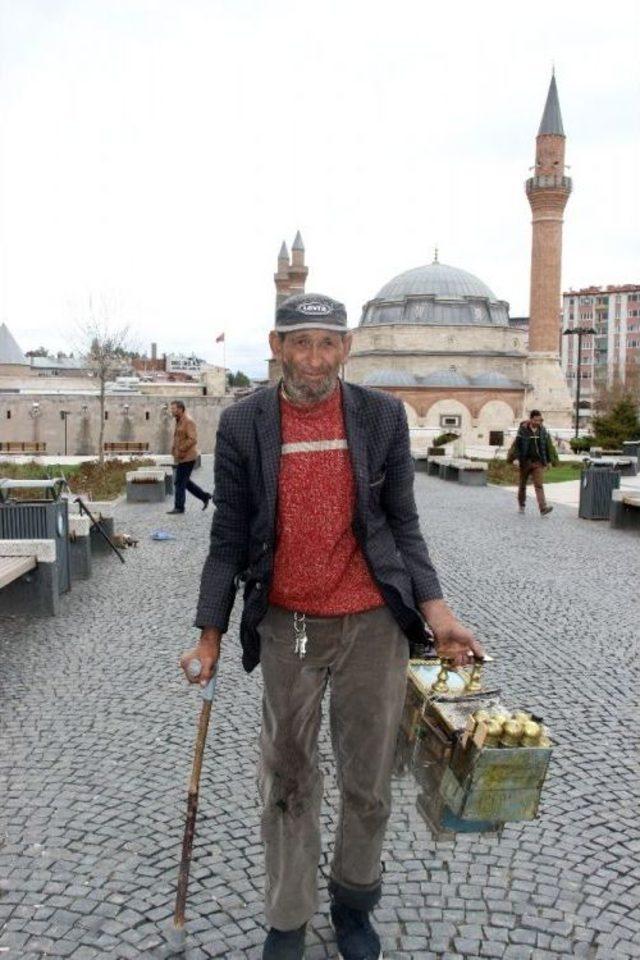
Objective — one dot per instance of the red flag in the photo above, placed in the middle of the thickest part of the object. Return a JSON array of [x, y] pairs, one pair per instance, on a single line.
[[220, 339]]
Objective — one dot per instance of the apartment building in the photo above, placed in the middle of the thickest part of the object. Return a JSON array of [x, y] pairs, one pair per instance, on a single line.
[[614, 349]]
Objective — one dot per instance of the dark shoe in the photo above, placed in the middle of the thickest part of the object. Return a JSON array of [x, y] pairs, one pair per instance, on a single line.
[[284, 944], [545, 511], [206, 502], [175, 511], [357, 940]]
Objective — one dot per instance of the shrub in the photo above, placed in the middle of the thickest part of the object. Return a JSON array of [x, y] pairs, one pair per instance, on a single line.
[[444, 438], [620, 424], [582, 444]]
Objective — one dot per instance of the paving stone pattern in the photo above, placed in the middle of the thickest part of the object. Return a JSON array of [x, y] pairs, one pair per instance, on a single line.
[[97, 730]]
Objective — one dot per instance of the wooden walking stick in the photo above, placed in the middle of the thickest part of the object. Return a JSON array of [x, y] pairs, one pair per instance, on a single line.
[[176, 930]]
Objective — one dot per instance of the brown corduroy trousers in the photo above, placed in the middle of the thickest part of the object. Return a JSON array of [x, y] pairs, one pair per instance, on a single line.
[[363, 659], [535, 470]]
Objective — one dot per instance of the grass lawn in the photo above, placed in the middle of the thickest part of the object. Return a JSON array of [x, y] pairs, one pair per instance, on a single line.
[[104, 482], [506, 474]]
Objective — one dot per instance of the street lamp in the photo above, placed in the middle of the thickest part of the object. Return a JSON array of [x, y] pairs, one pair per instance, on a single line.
[[578, 332]]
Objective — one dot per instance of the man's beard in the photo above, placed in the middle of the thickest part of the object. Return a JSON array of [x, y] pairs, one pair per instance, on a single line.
[[301, 392]]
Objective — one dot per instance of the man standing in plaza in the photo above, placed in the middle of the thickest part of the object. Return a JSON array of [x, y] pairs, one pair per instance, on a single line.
[[315, 512], [184, 451], [534, 450]]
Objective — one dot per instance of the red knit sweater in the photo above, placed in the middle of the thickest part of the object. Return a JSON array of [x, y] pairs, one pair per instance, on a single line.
[[319, 568]]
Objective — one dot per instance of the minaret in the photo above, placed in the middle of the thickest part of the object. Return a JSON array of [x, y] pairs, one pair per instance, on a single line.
[[281, 277], [289, 279], [547, 191], [297, 271]]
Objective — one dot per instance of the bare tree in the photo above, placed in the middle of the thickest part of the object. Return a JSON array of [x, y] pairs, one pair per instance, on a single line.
[[105, 348]]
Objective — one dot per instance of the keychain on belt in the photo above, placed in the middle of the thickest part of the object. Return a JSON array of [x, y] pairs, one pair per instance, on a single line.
[[300, 631]]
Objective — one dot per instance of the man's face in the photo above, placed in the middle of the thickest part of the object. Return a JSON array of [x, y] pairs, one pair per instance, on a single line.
[[176, 411], [536, 421], [311, 361]]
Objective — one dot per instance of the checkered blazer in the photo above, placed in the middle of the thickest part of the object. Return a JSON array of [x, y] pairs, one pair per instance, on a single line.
[[243, 529]]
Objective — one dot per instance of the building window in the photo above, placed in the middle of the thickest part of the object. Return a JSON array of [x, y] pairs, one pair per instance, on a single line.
[[106, 414], [8, 414], [146, 414], [450, 420]]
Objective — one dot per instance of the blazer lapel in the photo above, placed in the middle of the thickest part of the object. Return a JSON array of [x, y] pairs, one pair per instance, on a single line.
[[356, 430], [270, 442]]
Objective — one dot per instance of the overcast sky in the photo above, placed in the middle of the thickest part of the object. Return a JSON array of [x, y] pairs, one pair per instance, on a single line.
[[155, 153]]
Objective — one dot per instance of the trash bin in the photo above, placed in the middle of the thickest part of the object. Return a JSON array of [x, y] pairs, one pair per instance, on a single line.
[[32, 517], [631, 448], [596, 486]]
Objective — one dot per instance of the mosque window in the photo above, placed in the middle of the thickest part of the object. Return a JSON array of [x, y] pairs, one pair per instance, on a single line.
[[450, 420]]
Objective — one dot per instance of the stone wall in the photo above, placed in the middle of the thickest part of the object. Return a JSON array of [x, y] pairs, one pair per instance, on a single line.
[[146, 420]]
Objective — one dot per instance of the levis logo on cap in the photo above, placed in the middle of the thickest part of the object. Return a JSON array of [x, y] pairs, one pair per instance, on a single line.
[[314, 308]]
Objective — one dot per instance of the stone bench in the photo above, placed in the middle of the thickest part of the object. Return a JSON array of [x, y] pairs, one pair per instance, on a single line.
[[29, 578], [168, 476], [625, 510], [104, 512], [146, 487], [434, 464], [166, 460], [80, 546], [469, 473]]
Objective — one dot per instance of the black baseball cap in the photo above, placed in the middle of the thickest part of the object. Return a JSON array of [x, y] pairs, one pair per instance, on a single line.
[[311, 311]]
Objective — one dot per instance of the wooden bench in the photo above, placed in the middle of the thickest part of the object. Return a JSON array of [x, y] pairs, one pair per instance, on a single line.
[[20, 446], [624, 512], [29, 578], [126, 447]]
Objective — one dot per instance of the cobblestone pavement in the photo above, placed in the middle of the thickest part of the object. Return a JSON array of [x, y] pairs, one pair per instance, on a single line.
[[97, 731]]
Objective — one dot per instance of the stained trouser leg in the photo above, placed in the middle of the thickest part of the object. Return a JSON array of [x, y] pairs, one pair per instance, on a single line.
[[368, 688], [289, 779]]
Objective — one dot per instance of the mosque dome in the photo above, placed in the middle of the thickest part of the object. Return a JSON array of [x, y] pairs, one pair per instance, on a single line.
[[445, 378], [436, 294], [388, 377]]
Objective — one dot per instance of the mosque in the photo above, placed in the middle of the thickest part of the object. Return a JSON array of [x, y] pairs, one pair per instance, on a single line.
[[440, 339]]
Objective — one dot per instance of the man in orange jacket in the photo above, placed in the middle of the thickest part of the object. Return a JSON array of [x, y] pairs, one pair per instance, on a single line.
[[184, 451]]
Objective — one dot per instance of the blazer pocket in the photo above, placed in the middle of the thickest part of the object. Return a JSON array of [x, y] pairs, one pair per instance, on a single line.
[[378, 481]]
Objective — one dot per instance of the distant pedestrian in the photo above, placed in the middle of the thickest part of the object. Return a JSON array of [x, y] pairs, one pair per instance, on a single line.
[[184, 451], [534, 450]]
